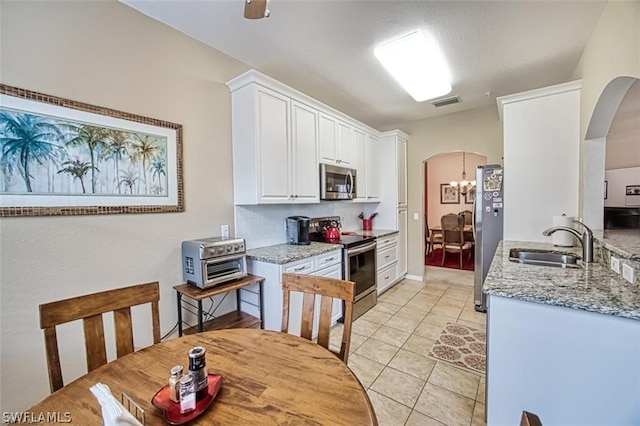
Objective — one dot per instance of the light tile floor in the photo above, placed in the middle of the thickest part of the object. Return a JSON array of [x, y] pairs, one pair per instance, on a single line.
[[389, 353]]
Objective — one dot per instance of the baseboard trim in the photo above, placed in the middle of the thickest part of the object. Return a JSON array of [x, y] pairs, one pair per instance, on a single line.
[[413, 277]]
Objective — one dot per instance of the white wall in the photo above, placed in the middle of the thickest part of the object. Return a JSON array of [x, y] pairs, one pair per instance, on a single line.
[[477, 131], [613, 50], [106, 54], [617, 182], [541, 159]]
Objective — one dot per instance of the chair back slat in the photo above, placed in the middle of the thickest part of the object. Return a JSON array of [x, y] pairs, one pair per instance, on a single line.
[[329, 289], [124, 331], [89, 308], [94, 342], [308, 307], [53, 358]]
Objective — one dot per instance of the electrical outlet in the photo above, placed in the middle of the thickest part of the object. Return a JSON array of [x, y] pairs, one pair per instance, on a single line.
[[416, 216], [615, 264], [628, 273], [224, 231]]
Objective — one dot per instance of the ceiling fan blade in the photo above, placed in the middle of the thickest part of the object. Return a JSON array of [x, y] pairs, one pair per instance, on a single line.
[[255, 9]]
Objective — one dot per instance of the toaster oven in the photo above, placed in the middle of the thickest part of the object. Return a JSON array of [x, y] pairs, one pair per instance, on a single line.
[[212, 261]]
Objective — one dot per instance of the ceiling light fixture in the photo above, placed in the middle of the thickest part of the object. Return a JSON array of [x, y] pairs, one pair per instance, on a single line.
[[256, 9], [416, 62], [464, 185]]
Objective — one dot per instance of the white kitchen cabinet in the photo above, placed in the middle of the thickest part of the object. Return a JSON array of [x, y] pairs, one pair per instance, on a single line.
[[401, 157], [387, 262], [392, 211], [367, 164], [274, 148], [327, 264], [403, 218], [335, 141]]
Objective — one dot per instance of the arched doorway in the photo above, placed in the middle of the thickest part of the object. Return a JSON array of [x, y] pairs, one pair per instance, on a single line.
[[438, 171], [595, 148]]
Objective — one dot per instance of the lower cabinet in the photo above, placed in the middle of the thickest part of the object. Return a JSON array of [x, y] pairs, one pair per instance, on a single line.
[[387, 262], [327, 265]]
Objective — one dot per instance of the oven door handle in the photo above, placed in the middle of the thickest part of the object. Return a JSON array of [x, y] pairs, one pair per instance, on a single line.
[[224, 258], [361, 249]]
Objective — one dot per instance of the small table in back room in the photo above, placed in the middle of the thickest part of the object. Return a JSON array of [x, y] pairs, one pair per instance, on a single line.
[[235, 319]]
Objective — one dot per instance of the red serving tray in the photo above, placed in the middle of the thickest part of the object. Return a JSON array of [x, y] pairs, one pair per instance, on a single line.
[[171, 410]]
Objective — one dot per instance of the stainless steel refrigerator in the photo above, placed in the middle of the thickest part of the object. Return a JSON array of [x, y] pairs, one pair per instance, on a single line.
[[488, 220]]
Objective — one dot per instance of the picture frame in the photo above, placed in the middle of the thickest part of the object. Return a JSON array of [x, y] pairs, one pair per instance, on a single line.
[[470, 196], [62, 157], [449, 194]]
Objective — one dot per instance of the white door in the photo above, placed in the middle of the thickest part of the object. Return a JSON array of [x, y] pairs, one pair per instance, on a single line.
[[360, 164], [273, 142], [304, 148], [345, 145], [373, 168], [327, 137], [402, 171]]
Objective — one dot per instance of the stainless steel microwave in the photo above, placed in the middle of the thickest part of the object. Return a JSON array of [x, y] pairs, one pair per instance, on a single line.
[[337, 183]]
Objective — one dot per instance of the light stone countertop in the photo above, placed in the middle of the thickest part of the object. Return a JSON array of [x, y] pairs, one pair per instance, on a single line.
[[594, 288], [378, 233], [624, 242], [285, 253]]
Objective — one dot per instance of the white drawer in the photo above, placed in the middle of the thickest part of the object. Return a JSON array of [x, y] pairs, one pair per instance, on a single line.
[[386, 277], [387, 241], [387, 256], [327, 259], [304, 266]]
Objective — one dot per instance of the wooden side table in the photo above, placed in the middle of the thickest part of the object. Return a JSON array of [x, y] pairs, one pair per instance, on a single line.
[[235, 319]]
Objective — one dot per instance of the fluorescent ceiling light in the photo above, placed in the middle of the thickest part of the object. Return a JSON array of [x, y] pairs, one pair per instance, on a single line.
[[417, 64]]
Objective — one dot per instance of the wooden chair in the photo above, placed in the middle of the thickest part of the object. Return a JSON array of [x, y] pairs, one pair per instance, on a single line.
[[468, 216], [453, 236], [435, 240], [89, 309], [329, 289]]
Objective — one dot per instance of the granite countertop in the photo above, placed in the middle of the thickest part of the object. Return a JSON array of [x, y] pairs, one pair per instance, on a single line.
[[624, 242], [594, 288], [378, 233], [285, 253]]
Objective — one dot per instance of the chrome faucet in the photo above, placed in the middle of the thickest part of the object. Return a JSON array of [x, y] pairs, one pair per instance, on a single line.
[[586, 238]]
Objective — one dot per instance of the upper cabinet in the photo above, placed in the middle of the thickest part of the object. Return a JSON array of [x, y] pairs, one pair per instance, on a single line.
[[280, 137], [401, 157], [336, 144], [367, 164], [274, 148]]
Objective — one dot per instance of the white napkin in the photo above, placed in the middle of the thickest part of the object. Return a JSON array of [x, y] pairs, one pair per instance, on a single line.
[[113, 412]]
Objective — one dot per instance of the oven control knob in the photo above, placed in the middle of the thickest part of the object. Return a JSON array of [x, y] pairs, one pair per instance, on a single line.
[[229, 248], [236, 247], [221, 250]]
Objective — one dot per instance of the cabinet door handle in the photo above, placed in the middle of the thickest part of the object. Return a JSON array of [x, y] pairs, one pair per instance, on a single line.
[[330, 259], [386, 257], [386, 278], [300, 268]]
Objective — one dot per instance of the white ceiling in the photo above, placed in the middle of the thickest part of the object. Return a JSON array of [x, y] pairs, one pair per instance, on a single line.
[[325, 48]]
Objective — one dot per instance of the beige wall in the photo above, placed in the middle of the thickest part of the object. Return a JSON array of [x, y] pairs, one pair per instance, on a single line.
[[105, 53], [443, 169], [477, 131]]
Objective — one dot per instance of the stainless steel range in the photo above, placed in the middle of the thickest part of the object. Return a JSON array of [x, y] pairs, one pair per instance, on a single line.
[[359, 261], [211, 261]]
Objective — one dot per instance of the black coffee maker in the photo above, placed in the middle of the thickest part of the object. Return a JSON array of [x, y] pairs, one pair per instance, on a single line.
[[298, 230]]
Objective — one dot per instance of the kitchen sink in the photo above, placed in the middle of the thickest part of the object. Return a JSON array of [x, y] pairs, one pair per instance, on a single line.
[[544, 258]]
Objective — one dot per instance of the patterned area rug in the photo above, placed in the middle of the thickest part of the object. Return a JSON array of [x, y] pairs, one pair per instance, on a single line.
[[462, 346]]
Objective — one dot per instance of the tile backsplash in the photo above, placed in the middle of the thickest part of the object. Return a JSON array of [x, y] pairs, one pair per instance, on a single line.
[[263, 225]]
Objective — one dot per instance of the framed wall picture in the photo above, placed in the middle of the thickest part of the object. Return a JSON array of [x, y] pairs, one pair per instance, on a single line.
[[61, 157], [449, 194], [470, 196]]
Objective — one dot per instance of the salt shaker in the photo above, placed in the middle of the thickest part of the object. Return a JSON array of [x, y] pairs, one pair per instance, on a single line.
[[187, 394], [174, 383]]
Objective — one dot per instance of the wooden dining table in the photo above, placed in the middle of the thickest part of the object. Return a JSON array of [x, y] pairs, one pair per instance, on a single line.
[[268, 377]]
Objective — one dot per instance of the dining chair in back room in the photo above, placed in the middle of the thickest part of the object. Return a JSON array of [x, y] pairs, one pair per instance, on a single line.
[[453, 236], [89, 308], [328, 289]]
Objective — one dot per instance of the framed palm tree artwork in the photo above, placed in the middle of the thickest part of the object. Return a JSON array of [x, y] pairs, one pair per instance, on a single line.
[[61, 157]]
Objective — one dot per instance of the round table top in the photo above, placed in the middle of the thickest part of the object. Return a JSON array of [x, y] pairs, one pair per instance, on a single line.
[[268, 378]]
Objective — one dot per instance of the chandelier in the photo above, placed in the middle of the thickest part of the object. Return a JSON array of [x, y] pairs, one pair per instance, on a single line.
[[464, 185]]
